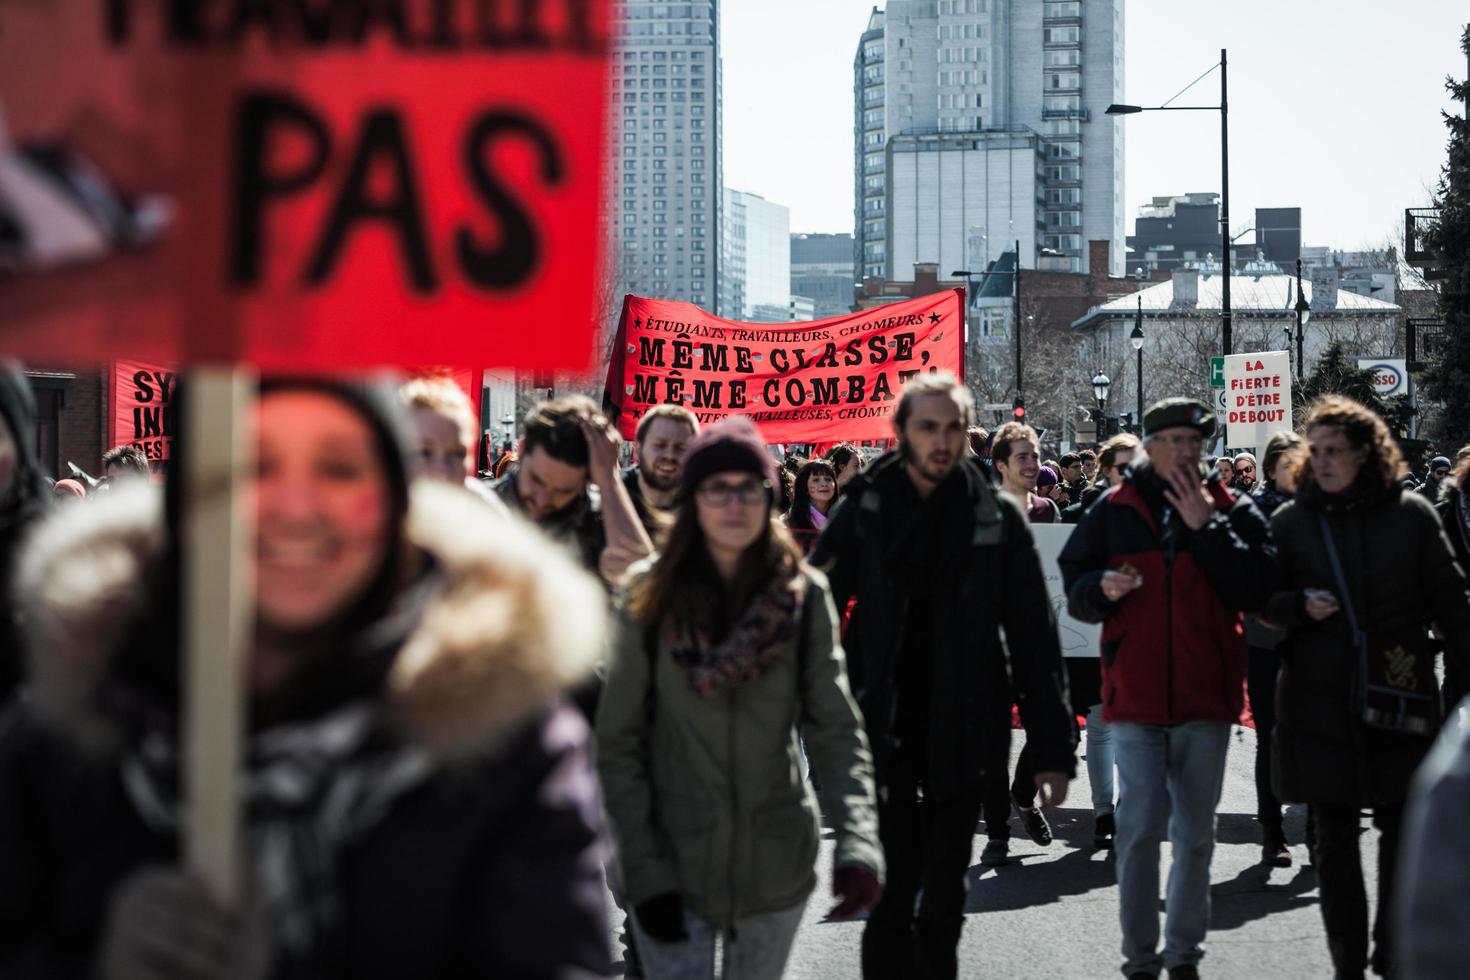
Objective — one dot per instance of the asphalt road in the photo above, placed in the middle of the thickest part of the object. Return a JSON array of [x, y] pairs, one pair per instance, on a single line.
[[1052, 912]]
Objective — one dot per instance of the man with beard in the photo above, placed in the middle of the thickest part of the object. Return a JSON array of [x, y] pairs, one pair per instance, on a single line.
[[938, 562], [1245, 472], [566, 483], [1166, 562], [662, 436]]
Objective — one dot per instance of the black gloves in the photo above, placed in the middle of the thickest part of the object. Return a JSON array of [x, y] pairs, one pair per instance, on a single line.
[[662, 917]]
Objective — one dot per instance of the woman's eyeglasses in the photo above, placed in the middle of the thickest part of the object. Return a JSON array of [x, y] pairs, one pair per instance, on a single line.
[[720, 494]]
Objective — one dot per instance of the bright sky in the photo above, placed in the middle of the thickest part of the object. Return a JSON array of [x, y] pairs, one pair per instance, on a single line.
[[1334, 106]]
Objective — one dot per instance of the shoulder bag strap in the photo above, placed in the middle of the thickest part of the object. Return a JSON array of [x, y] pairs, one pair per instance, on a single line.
[[1342, 586]]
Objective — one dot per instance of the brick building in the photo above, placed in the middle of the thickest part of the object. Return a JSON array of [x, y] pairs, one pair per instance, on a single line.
[[71, 410]]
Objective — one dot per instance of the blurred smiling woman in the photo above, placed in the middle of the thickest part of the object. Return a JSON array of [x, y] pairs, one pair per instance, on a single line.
[[405, 734]]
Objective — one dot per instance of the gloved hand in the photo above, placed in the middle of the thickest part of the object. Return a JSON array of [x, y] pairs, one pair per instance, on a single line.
[[163, 924], [858, 888], [662, 917]]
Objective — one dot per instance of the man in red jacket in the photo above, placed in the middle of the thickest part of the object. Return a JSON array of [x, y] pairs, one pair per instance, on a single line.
[[1167, 562]]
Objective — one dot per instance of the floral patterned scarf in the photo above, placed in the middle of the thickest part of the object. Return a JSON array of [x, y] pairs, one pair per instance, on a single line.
[[753, 646]]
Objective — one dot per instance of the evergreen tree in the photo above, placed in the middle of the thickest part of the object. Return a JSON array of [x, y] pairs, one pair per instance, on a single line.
[[1448, 379], [1337, 374]]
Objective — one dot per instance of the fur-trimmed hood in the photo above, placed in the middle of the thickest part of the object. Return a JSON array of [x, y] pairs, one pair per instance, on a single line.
[[512, 623]]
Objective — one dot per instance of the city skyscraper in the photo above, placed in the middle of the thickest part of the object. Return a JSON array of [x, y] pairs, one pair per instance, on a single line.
[[981, 122], [755, 278], [667, 174]]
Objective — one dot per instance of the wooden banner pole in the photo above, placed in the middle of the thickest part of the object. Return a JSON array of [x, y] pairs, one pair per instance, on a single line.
[[217, 624]]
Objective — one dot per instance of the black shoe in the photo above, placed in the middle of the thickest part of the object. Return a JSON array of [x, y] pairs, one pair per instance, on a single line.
[[1184, 972], [1103, 832], [1274, 853], [1141, 975], [996, 853], [1035, 823]]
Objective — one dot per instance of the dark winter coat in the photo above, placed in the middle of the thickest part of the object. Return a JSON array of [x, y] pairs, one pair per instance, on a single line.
[[996, 583], [647, 516], [1401, 575], [20, 508], [1456, 685], [1173, 650], [489, 868], [1260, 635], [578, 526], [1072, 513]]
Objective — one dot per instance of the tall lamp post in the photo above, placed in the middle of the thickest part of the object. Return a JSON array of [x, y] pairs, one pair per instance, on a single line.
[[1136, 339], [1303, 313], [1117, 109], [1100, 385]]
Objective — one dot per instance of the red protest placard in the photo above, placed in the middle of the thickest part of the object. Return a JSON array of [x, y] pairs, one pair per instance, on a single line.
[[301, 185], [141, 411], [818, 381]]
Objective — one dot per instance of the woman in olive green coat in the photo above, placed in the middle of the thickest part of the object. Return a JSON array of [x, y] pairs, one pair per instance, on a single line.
[[723, 645]]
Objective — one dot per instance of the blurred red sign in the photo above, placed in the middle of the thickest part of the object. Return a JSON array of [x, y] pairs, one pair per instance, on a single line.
[[302, 185]]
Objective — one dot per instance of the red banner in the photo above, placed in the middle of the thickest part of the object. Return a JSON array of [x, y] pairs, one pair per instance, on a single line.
[[141, 411], [303, 185], [817, 381]]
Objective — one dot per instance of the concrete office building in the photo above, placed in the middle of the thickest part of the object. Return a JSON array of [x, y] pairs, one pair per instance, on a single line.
[[821, 270], [1020, 84], [756, 279], [666, 173]]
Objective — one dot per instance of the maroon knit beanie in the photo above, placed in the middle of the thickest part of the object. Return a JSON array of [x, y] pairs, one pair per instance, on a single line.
[[730, 446]]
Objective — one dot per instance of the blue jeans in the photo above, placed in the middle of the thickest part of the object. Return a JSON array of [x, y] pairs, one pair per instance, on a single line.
[[1169, 780], [759, 950], [1100, 756]]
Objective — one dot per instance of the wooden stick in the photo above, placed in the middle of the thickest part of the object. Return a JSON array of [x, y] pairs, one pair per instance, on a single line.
[[217, 625]]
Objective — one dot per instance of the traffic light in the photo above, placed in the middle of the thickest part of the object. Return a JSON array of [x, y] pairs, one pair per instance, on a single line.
[[1019, 409]]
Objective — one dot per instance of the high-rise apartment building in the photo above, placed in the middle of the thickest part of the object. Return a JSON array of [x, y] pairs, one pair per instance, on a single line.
[[981, 122], [667, 175], [755, 271]]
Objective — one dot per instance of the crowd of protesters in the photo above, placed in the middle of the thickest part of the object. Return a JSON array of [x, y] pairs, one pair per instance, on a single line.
[[473, 705]]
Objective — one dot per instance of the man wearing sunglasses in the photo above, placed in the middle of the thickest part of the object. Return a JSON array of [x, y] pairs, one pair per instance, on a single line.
[[1245, 473]]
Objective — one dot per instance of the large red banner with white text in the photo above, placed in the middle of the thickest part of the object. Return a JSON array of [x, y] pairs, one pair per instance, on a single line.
[[302, 185], [815, 381]]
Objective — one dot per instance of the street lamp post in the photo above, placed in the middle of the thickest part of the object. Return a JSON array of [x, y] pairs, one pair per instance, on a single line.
[[1136, 339], [1100, 385], [1223, 108], [1303, 313]]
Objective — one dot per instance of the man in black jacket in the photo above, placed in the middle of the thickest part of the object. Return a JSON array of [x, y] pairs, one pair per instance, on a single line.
[[567, 484], [938, 561]]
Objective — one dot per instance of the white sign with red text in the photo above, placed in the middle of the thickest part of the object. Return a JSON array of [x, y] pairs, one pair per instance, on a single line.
[[1257, 397]]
